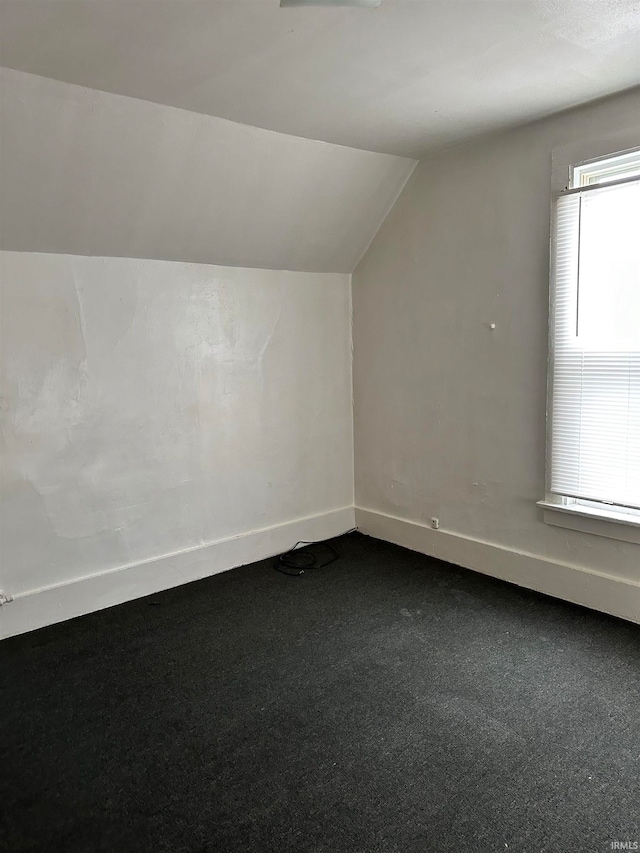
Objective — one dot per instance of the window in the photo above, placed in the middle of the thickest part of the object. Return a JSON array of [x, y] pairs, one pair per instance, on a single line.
[[594, 381]]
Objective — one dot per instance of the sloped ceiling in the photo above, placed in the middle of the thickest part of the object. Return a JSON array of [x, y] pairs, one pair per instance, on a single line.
[[91, 173], [403, 79]]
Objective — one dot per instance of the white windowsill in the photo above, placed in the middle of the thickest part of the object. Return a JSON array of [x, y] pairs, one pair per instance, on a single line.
[[599, 521]]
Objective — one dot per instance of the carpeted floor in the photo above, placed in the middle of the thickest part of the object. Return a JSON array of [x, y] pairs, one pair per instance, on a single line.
[[388, 702]]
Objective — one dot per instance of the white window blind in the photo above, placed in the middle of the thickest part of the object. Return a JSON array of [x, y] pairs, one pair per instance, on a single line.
[[595, 345]]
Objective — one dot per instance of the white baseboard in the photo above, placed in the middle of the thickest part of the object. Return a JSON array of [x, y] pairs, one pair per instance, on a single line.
[[616, 596], [37, 608], [40, 607]]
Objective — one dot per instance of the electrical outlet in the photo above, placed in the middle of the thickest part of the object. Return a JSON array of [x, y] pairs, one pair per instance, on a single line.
[[435, 523]]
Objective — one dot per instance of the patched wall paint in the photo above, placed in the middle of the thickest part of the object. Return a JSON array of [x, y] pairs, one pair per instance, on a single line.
[[90, 173], [149, 407], [449, 412]]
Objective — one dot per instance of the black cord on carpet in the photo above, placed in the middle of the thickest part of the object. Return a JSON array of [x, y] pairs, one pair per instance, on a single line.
[[299, 559]]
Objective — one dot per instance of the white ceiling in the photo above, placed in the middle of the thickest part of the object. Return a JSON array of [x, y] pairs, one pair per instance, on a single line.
[[405, 78]]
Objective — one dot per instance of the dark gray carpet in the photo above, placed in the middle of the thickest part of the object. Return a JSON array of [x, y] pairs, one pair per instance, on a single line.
[[388, 702]]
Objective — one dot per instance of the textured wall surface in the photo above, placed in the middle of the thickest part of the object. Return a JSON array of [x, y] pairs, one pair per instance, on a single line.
[[449, 413], [89, 173], [149, 407]]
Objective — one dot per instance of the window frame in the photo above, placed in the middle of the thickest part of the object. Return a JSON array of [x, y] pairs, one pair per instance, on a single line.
[[604, 174], [586, 516]]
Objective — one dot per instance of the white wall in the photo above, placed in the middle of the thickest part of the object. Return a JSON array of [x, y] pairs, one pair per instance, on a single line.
[[450, 415], [151, 407], [89, 173]]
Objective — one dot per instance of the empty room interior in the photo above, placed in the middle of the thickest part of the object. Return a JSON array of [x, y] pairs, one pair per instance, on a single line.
[[320, 407]]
